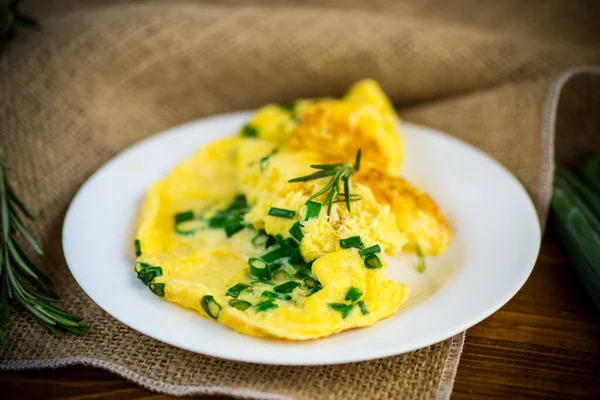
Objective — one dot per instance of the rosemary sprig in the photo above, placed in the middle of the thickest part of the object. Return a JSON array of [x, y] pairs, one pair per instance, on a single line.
[[340, 173], [21, 282], [10, 15]]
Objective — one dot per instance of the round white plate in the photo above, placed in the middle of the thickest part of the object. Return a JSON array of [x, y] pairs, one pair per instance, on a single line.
[[496, 243]]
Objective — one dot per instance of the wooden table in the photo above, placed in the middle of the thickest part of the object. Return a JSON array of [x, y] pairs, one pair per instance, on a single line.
[[544, 343]]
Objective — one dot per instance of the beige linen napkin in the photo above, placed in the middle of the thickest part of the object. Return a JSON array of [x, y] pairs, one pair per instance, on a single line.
[[102, 75]]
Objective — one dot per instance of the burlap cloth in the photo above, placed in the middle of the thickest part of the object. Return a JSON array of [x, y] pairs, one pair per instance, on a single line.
[[102, 75]]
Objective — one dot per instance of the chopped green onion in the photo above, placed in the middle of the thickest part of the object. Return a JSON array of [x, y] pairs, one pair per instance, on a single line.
[[236, 289], [262, 239], [353, 294], [421, 258], [280, 240], [233, 227], [141, 265], [281, 213], [353, 241], [287, 287], [239, 203], [210, 307], [292, 243], [275, 255], [138, 248], [342, 308], [370, 250], [183, 217], [147, 273], [264, 160], [301, 273], [239, 304], [312, 285], [373, 262], [249, 131], [189, 227], [158, 289], [265, 305], [313, 209], [281, 275], [262, 282], [258, 269], [294, 249], [296, 231], [275, 296], [363, 307]]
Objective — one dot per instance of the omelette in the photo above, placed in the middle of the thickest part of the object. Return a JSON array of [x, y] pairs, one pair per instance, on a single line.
[[281, 229]]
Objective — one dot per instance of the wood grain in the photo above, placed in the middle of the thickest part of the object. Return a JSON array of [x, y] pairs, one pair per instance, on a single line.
[[545, 343]]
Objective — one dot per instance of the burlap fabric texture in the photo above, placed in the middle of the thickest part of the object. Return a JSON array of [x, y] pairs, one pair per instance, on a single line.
[[102, 75]]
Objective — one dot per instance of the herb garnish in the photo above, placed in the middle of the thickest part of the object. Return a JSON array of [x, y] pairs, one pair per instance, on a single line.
[[353, 294], [281, 213], [342, 308], [265, 305], [239, 304], [353, 241], [20, 280], [210, 307], [372, 262], [138, 248], [421, 258], [370, 250], [340, 172], [296, 231], [363, 307], [236, 290], [249, 130]]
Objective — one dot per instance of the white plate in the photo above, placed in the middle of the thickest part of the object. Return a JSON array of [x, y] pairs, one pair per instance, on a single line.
[[497, 239]]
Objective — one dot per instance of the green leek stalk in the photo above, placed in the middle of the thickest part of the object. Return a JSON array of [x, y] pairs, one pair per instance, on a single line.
[[576, 206]]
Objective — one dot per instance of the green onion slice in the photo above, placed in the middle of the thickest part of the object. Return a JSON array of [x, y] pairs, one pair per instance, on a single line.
[[353, 294], [249, 130], [420, 258], [158, 289], [287, 287], [281, 213], [210, 307], [262, 282], [275, 296], [138, 248], [183, 217], [353, 241], [373, 262], [237, 289], [313, 209], [265, 305], [263, 239], [296, 231], [275, 255], [370, 250], [280, 240], [342, 308], [312, 285], [147, 274], [281, 275], [234, 227], [239, 304], [363, 307], [258, 269]]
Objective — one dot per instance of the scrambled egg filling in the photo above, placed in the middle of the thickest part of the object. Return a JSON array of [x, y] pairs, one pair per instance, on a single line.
[[280, 230]]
